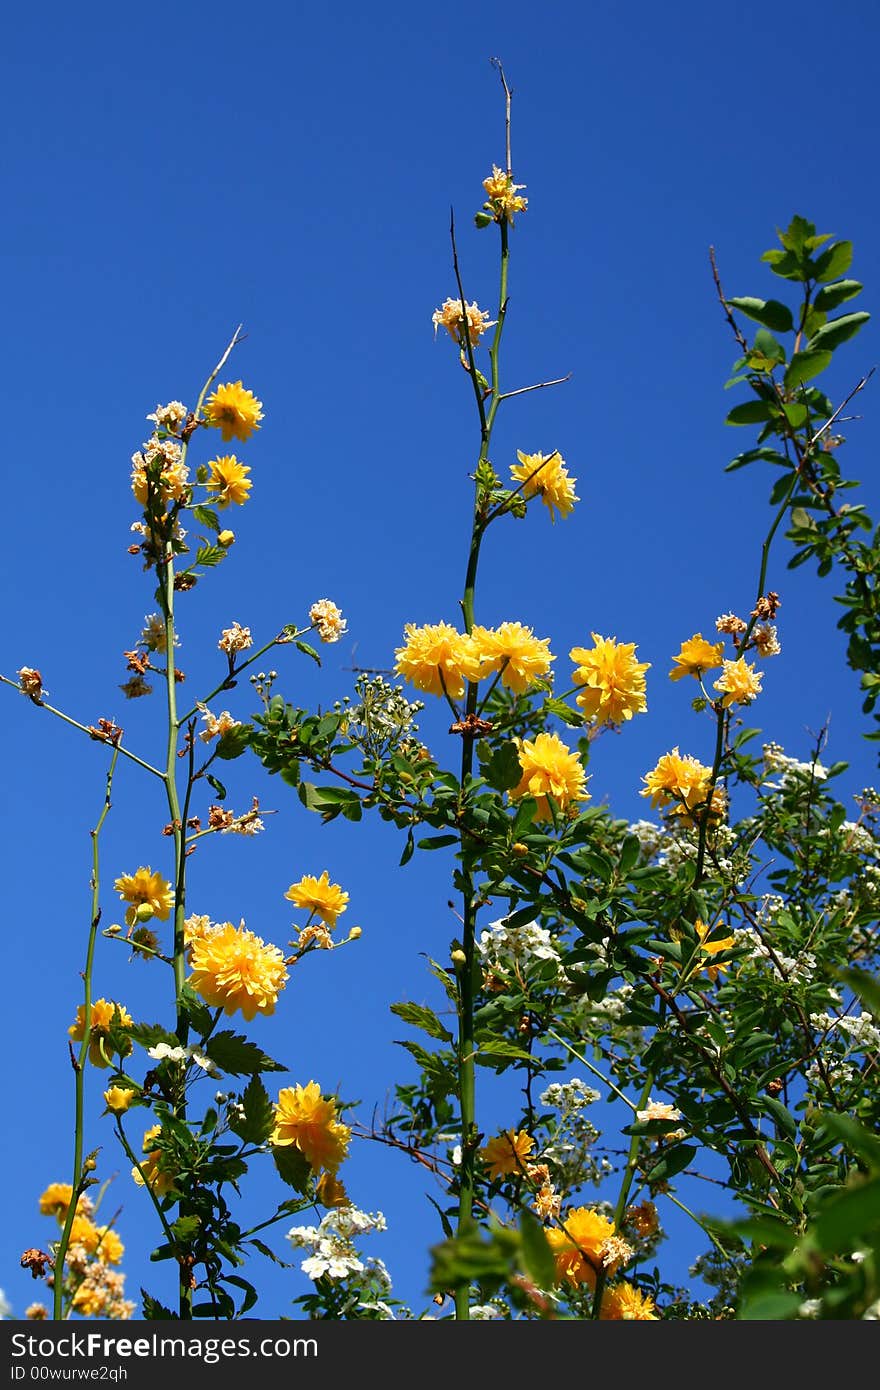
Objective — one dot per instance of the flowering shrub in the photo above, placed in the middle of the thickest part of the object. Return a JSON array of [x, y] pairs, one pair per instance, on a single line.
[[655, 1006]]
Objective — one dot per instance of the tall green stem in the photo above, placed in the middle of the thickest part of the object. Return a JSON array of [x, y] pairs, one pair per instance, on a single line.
[[468, 972], [79, 1064]]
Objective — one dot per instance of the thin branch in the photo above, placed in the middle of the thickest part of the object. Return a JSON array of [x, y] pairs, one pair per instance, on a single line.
[[723, 302], [496, 63], [539, 386]]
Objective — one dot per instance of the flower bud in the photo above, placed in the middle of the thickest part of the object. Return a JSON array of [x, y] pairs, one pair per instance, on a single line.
[[226, 539], [143, 912]]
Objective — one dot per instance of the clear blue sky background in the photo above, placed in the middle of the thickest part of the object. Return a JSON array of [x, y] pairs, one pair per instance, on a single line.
[[172, 170]]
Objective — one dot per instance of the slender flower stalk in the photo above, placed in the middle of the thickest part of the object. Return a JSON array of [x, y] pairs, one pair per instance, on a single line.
[[80, 1062], [468, 972]]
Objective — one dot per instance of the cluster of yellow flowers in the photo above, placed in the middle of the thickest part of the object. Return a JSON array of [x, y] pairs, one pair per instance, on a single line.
[[503, 199], [96, 1289], [440, 660], [586, 1242]]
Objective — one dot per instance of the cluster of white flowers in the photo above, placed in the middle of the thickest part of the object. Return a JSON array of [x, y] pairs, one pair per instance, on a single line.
[[487, 1312], [216, 725], [861, 1030], [792, 772], [801, 967], [854, 838], [505, 948], [164, 1052], [327, 620], [569, 1095], [611, 1008], [838, 1073], [333, 1251], [649, 835], [169, 417]]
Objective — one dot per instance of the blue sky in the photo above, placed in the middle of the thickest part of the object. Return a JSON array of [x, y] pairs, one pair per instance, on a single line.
[[172, 171]]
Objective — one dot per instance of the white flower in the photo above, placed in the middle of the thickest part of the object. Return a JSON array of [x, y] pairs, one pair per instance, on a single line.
[[164, 1052]]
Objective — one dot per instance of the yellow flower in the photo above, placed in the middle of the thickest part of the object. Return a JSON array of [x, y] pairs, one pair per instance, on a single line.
[[158, 1179], [320, 896], [235, 969], [507, 1153], [677, 781], [450, 315], [84, 1232], [171, 483], [548, 479], [711, 948], [108, 1248], [56, 1200], [330, 1192], [578, 1246], [624, 1302], [118, 1098], [304, 1119], [229, 479], [515, 651], [90, 1299], [503, 195], [614, 680], [147, 888], [101, 1021], [696, 656], [234, 411], [437, 658], [740, 683], [549, 768]]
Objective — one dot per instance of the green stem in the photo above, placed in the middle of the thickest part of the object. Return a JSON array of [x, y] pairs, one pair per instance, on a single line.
[[79, 1064], [469, 970]]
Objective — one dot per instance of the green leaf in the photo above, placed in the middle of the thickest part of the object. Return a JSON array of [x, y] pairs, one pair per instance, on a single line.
[[233, 744], [437, 842], [258, 1120], [832, 296], [833, 262], [804, 366], [408, 848], [185, 1227], [770, 312], [768, 347], [503, 771], [837, 331], [846, 1218], [292, 1167], [865, 986], [209, 555], [537, 1255], [419, 1016], [672, 1162], [769, 1305], [753, 455], [234, 1054], [307, 650], [155, 1310], [218, 786], [207, 517], [751, 413], [796, 414], [468, 1259], [781, 1116], [494, 1046], [151, 1034], [629, 853], [853, 1135], [198, 1014]]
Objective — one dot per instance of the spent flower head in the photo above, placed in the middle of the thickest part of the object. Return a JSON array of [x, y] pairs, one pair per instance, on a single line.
[[327, 620], [450, 316]]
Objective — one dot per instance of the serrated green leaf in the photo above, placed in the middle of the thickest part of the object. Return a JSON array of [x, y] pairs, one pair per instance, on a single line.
[[206, 516], [258, 1120], [770, 312], [292, 1167], [209, 555], [235, 1055], [154, 1310], [151, 1034], [419, 1016]]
